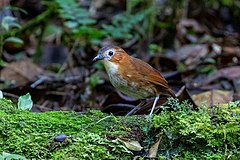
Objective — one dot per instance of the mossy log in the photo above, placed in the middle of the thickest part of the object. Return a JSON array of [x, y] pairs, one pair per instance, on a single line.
[[210, 133]]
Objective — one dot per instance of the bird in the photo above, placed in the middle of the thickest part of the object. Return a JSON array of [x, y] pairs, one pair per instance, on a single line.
[[132, 76]]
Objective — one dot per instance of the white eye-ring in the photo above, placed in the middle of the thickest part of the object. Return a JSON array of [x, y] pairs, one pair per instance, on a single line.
[[108, 54]]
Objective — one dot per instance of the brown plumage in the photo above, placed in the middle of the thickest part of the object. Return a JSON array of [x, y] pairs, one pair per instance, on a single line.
[[133, 76]]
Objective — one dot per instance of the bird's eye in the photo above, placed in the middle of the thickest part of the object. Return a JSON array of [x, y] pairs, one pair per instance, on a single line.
[[110, 53]]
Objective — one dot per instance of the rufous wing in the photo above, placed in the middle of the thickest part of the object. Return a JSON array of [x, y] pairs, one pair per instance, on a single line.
[[138, 70], [152, 76]]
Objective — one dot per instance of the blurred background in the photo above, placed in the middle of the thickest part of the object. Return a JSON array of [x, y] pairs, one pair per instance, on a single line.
[[47, 47]]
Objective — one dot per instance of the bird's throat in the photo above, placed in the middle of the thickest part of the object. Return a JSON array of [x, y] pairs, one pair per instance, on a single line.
[[110, 67]]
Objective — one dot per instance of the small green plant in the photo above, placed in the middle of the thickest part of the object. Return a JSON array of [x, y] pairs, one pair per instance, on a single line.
[[9, 156], [25, 102], [175, 105]]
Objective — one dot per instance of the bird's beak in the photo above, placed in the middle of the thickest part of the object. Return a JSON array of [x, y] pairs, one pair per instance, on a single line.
[[98, 57]]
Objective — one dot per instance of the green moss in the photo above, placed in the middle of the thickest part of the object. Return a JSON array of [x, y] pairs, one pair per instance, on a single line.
[[7, 105], [32, 134], [209, 133]]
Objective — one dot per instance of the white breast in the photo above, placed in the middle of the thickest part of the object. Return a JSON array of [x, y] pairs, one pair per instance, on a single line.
[[114, 77]]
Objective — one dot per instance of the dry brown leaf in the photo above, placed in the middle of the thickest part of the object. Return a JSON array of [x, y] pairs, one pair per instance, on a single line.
[[187, 23], [153, 150], [20, 72], [132, 145], [230, 73], [194, 51], [235, 50], [214, 97], [192, 54]]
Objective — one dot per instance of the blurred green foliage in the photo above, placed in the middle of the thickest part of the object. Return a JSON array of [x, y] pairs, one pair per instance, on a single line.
[[78, 22], [234, 5], [140, 20], [129, 25], [6, 25], [74, 15]]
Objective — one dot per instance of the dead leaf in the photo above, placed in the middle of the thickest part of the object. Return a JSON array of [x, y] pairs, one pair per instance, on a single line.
[[21, 72], [214, 97], [230, 73], [153, 150], [235, 50], [187, 23], [192, 54], [132, 145], [192, 50]]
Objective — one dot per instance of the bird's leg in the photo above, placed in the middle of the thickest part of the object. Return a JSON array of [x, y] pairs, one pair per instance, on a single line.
[[154, 105], [135, 108]]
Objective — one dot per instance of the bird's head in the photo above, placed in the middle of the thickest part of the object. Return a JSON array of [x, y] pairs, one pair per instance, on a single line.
[[110, 53]]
